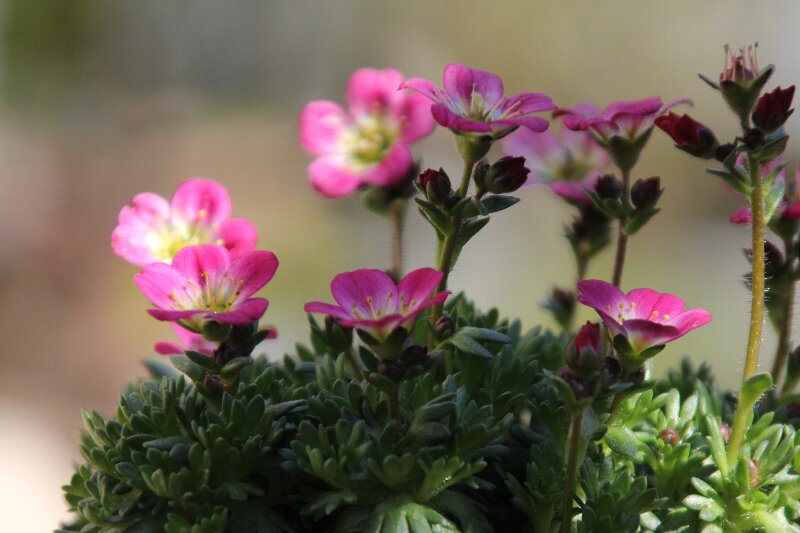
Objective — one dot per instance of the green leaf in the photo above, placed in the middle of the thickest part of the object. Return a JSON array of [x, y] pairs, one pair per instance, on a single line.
[[469, 346], [498, 202], [623, 441], [639, 220], [752, 389], [233, 366], [484, 334], [731, 179], [194, 371], [201, 359], [432, 214]]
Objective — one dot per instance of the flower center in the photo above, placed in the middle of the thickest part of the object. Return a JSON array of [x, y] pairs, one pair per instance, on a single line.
[[370, 139], [165, 240]]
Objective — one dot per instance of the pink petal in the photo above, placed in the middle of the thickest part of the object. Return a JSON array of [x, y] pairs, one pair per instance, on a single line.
[[644, 106], [203, 201], [238, 235], [244, 313], [575, 191], [168, 348], [364, 290], [649, 301], [373, 91], [447, 118], [526, 103], [424, 87], [532, 123], [643, 334], [129, 239], [414, 112], [380, 327], [691, 319], [600, 295], [320, 125], [327, 309], [531, 145], [169, 315], [252, 271], [417, 286], [331, 177], [792, 212], [461, 82], [161, 284], [192, 341], [203, 265], [144, 209], [129, 242], [392, 169], [743, 215], [413, 312], [674, 102], [614, 326]]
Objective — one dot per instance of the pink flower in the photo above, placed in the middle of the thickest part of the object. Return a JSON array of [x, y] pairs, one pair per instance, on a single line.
[[188, 341], [568, 162], [369, 300], [645, 317], [629, 119], [203, 284], [472, 102], [152, 230], [368, 145]]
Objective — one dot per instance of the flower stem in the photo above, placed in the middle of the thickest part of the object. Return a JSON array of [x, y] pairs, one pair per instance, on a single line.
[[622, 239], [756, 308], [785, 333], [444, 262], [395, 216], [573, 451]]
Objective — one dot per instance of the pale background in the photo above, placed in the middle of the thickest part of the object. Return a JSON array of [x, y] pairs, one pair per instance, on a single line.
[[101, 100]]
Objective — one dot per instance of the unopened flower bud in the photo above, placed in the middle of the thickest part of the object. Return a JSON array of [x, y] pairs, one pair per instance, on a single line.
[[437, 185], [584, 353], [645, 192], [752, 468], [772, 109], [725, 431], [507, 174], [216, 331], [724, 151], [689, 135], [415, 355], [213, 385], [608, 187], [753, 138], [444, 325], [670, 436]]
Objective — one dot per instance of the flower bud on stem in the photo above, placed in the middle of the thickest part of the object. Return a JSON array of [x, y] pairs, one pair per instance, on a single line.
[[622, 239]]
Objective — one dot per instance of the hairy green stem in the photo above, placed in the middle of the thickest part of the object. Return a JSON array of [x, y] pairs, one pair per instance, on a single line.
[[395, 217], [622, 239], [573, 451], [756, 307], [785, 333]]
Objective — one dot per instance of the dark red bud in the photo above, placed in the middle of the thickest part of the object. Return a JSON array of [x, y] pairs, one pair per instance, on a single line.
[[507, 174], [437, 185], [689, 135], [724, 151], [772, 109], [608, 187], [645, 192], [670, 436]]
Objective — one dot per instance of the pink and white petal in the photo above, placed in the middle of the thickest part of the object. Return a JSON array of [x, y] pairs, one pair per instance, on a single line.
[[643, 334], [202, 265], [251, 272], [363, 290], [674, 102], [414, 311], [145, 209], [645, 302], [462, 83], [418, 286], [447, 118], [574, 191], [532, 123], [192, 341], [162, 284], [380, 327], [130, 242], [372, 91], [424, 87], [327, 309], [600, 295], [320, 126], [170, 315], [392, 169], [525, 103], [238, 235], [168, 348], [244, 313], [203, 201], [414, 113], [641, 107], [691, 319], [331, 176], [533, 146]]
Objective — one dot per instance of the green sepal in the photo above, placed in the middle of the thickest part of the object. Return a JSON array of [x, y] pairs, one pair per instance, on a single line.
[[201, 359], [639, 220], [233, 366], [773, 148], [733, 180], [498, 202], [626, 153], [188, 367], [439, 221]]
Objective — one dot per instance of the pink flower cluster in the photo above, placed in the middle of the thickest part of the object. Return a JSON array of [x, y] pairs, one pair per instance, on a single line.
[[199, 265]]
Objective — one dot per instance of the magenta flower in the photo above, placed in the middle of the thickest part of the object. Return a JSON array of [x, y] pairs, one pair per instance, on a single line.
[[187, 341], [203, 284], [645, 317], [369, 300], [472, 102], [368, 145], [568, 163], [153, 230], [629, 119]]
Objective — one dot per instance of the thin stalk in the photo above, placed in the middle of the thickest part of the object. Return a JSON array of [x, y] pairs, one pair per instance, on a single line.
[[573, 451], [583, 266], [622, 239], [785, 333], [444, 262], [355, 364], [756, 307], [395, 217]]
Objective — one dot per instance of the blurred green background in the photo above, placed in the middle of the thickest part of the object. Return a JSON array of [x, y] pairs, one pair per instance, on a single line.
[[101, 100]]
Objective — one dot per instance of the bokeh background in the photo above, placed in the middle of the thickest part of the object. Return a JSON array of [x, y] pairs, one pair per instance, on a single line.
[[101, 100]]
